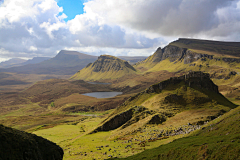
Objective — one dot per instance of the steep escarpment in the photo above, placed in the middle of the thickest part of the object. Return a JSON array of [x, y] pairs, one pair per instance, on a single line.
[[106, 67], [165, 99], [18, 145], [192, 50]]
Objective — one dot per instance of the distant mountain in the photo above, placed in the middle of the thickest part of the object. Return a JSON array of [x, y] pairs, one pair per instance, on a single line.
[[35, 60], [12, 63], [64, 63], [132, 60], [106, 67]]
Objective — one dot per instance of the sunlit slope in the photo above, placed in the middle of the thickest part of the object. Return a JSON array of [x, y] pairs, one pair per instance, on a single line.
[[165, 99], [106, 67], [218, 139]]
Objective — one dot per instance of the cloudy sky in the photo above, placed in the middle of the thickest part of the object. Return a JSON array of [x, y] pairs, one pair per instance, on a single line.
[[31, 28]]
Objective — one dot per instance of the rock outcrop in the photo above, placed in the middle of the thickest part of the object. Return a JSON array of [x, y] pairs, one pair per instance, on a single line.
[[105, 67], [197, 78], [19, 145], [107, 63]]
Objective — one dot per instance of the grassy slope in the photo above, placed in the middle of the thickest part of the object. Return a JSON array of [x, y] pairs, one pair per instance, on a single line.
[[219, 139]]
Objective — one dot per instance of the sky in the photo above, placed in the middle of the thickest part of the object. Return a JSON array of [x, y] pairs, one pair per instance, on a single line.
[[36, 28]]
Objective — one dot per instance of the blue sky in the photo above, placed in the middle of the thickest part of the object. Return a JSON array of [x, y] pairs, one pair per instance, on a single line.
[[71, 8]]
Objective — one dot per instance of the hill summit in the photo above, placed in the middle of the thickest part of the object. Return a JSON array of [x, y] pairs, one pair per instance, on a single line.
[[105, 67]]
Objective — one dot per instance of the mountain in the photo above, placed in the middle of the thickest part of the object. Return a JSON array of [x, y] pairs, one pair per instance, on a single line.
[[132, 60], [12, 63], [189, 51], [106, 67], [64, 63], [35, 60], [19, 145], [193, 92]]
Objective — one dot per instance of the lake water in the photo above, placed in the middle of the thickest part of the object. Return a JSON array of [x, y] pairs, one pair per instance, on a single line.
[[102, 94]]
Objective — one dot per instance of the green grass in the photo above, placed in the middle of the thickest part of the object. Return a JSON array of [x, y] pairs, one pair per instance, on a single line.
[[219, 139]]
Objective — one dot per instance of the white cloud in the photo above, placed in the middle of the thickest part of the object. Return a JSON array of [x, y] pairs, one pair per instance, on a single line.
[[187, 18], [32, 48], [128, 27]]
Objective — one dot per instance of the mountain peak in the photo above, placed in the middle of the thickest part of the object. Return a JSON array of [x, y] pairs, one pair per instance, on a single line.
[[105, 67]]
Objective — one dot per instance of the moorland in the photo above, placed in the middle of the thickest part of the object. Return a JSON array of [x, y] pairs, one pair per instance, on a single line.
[[179, 103]]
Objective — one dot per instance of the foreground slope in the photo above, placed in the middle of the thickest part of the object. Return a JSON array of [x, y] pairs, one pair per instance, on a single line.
[[18, 145], [158, 103], [106, 67], [218, 139]]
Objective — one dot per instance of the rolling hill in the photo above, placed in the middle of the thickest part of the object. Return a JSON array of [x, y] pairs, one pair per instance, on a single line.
[[106, 67], [191, 92]]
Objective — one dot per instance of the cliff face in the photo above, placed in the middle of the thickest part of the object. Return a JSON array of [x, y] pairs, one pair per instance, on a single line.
[[184, 50], [176, 53], [198, 79], [19, 145], [105, 67]]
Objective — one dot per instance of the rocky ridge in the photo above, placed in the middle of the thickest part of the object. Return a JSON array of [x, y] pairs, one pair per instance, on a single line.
[[107, 63], [105, 67], [181, 50]]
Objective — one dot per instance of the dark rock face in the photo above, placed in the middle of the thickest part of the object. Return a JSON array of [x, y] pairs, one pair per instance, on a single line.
[[157, 57], [176, 53], [173, 53], [19, 145], [116, 121], [107, 63], [157, 119], [198, 78]]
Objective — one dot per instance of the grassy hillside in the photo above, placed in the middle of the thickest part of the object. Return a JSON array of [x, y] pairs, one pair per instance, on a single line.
[[218, 139], [156, 116], [158, 103], [106, 67]]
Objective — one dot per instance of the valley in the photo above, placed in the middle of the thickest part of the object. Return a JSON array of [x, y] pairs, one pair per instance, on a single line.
[[182, 98]]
